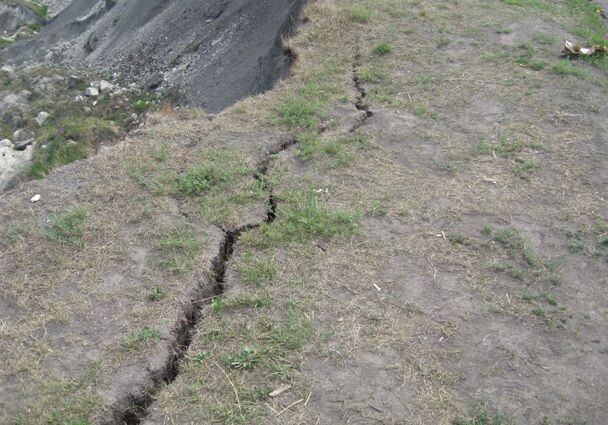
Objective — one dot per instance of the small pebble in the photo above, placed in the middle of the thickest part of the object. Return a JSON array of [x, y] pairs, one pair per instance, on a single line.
[[35, 198]]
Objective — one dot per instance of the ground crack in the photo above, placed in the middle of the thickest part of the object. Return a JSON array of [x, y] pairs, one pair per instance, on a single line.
[[134, 409], [360, 104]]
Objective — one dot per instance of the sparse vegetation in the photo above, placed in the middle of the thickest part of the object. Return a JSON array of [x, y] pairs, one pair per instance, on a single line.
[[298, 112], [566, 68], [178, 250], [68, 227], [144, 335], [361, 252], [361, 14]]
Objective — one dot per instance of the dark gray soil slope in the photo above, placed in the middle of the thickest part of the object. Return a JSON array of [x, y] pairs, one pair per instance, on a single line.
[[210, 52]]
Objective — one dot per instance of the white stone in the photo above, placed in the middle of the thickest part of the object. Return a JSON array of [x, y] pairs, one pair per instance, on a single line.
[[8, 70], [91, 92], [35, 198], [42, 117], [22, 135], [5, 143], [105, 86], [12, 163]]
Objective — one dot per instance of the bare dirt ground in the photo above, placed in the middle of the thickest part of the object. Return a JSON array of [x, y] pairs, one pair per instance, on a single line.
[[410, 229]]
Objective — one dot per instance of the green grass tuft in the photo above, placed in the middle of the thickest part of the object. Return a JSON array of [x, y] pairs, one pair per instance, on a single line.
[[69, 227]]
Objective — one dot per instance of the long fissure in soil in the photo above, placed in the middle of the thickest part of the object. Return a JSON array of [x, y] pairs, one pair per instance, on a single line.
[[133, 410]]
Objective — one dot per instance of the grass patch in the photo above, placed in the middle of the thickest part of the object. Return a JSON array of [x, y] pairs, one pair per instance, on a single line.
[[69, 227], [566, 68], [178, 250], [361, 14], [144, 335], [257, 270], [296, 111], [201, 179], [524, 168], [369, 74], [482, 417], [157, 293], [383, 49], [301, 220]]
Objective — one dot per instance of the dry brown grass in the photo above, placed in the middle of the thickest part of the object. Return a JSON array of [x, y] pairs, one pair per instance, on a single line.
[[413, 316]]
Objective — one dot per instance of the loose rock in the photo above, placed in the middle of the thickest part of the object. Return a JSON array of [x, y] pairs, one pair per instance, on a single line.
[[42, 117], [105, 86], [75, 82], [22, 135], [91, 92]]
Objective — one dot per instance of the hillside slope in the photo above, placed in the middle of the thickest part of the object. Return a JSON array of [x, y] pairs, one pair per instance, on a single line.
[[211, 53]]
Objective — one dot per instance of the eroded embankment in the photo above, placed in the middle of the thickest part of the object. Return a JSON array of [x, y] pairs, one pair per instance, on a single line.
[[208, 55]]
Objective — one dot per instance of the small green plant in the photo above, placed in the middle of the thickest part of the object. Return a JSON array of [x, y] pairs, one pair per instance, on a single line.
[[247, 301], [566, 68], [383, 49], [550, 298], [539, 311], [509, 237], [69, 227], [426, 81], [178, 250], [144, 335], [198, 180], [377, 209], [257, 270], [511, 270], [245, 360], [503, 30], [528, 296], [443, 41], [575, 243], [459, 239], [157, 293], [544, 38], [524, 168], [4, 42], [308, 146], [201, 357], [360, 14], [530, 258], [369, 74], [298, 112], [301, 220], [482, 417], [217, 305]]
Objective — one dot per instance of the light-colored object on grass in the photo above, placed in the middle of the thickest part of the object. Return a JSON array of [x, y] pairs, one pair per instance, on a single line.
[[42, 117], [5, 143], [572, 49], [12, 162], [279, 391], [22, 135], [91, 92], [105, 86], [7, 70], [35, 198]]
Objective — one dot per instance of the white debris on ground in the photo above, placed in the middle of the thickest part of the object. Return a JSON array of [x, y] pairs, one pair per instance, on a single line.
[[12, 162]]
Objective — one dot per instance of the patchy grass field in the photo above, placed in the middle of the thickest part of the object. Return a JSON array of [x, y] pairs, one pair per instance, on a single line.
[[296, 260]]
